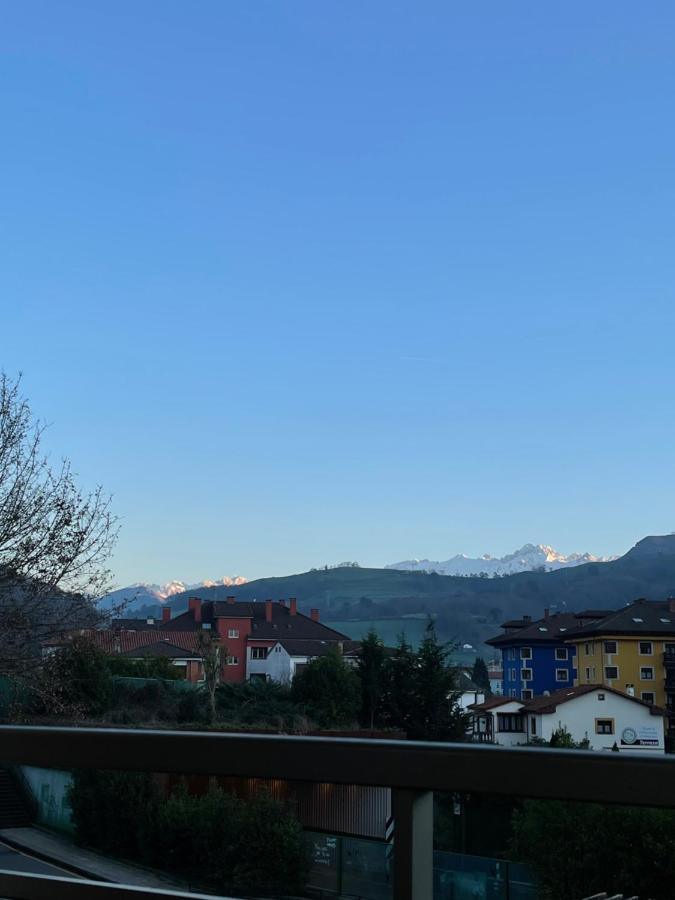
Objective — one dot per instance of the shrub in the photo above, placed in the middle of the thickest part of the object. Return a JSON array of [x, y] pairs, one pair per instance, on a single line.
[[253, 846]]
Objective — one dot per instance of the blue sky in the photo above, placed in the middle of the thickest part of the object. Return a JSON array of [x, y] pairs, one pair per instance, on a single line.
[[304, 282]]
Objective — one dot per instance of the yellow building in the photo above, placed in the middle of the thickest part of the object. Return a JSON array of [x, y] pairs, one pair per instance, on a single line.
[[632, 650]]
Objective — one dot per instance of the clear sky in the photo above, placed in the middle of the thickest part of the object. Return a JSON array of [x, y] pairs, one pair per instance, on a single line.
[[301, 282]]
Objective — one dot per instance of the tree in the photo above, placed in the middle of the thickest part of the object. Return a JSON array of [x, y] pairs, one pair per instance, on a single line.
[[74, 681], [54, 539], [480, 676], [399, 694], [371, 669], [605, 848], [329, 689], [210, 649], [436, 714]]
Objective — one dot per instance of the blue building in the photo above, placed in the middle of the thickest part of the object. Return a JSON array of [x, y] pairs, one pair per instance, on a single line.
[[535, 657]]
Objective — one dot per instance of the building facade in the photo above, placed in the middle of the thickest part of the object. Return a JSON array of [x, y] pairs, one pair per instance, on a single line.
[[604, 718], [536, 656]]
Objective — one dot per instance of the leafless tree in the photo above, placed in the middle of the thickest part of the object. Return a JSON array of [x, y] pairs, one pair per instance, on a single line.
[[55, 540], [210, 651]]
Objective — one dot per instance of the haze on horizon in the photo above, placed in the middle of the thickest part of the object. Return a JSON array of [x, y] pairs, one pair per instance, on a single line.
[[302, 284]]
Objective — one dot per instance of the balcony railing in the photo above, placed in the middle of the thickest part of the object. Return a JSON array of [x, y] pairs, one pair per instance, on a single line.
[[413, 770]]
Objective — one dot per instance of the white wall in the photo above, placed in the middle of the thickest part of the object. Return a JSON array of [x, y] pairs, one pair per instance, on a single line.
[[579, 716]]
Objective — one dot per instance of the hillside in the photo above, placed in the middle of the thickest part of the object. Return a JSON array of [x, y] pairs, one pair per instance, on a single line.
[[466, 608]]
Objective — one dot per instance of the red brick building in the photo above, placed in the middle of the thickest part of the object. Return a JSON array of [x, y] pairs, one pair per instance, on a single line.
[[248, 632]]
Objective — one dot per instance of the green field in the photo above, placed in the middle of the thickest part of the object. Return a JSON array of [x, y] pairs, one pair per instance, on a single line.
[[388, 629]]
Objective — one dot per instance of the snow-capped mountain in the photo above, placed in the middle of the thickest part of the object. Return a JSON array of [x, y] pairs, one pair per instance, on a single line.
[[142, 594], [527, 559]]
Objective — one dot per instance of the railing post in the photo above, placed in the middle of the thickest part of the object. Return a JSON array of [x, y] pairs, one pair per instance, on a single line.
[[413, 844]]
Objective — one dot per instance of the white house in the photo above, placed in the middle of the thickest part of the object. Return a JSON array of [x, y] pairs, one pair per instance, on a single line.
[[607, 718], [286, 657]]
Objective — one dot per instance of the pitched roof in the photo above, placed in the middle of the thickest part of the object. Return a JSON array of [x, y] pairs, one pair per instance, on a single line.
[[114, 642], [544, 704], [283, 623], [161, 648], [307, 647], [640, 618], [493, 702], [551, 629]]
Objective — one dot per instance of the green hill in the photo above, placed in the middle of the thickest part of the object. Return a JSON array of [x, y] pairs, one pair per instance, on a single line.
[[469, 609]]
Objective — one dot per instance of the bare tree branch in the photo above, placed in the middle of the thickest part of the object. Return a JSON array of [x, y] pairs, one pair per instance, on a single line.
[[55, 540]]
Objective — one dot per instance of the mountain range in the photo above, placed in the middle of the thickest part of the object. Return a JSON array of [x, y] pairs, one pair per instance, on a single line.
[[530, 558], [141, 594], [464, 607]]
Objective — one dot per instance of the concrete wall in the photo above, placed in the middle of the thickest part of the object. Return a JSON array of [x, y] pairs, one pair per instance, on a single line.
[[49, 788]]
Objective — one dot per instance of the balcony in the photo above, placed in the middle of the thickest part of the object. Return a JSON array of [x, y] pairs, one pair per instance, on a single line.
[[413, 770]]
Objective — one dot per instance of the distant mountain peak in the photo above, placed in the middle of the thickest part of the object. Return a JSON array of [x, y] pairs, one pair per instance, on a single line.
[[528, 558]]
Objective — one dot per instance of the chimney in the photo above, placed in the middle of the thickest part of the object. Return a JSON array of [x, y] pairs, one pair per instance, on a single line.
[[314, 615], [527, 618], [630, 690], [294, 606], [195, 607], [166, 614], [268, 610], [231, 601], [546, 612], [282, 603]]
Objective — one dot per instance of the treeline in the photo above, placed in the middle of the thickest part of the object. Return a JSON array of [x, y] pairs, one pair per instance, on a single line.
[[403, 690]]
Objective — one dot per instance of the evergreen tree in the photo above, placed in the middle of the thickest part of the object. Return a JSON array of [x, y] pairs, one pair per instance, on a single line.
[[371, 670], [436, 714], [480, 676], [398, 695]]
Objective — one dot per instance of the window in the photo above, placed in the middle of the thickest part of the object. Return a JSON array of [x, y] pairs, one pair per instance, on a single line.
[[533, 725], [561, 653], [233, 632], [258, 652], [647, 696], [233, 660], [526, 694], [512, 653], [526, 674], [562, 675], [512, 692], [604, 726], [601, 696], [526, 652], [646, 648], [589, 649], [635, 619], [646, 673], [611, 672], [590, 673], [512, 674], [610, 646], [509, 722]]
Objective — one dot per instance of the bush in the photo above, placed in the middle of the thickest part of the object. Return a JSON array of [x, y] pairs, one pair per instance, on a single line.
[[330, 690], [252, 847], [257, 702], [151, 667], [616, 849], [74, 681]]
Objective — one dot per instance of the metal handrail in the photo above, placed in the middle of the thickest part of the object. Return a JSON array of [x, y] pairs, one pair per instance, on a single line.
[[412, 769], [640, 778]]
